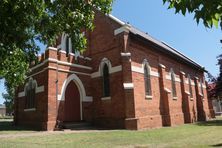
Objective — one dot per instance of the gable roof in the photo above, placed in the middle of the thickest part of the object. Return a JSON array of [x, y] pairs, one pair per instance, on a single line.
[[164, 46]]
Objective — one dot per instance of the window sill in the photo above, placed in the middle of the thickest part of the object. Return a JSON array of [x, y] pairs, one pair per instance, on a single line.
[[191, 99], [149, 97], [200, 94], [106, 98], [30, 109], [175, 98]]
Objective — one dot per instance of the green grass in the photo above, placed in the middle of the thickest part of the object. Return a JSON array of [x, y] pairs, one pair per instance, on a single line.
[[207, 134]]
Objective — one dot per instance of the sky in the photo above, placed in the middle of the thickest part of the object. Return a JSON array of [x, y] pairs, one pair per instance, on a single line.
[[181, 32]]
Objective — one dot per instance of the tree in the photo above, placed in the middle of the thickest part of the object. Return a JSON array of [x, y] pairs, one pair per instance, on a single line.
[[218, 88], [209, 11], [9, 98], [22, 22]]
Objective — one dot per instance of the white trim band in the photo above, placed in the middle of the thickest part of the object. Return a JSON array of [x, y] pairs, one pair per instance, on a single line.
[[141, 70], [125, 54], [112, 70], [106, 98], [128, 85], [30, 110], [61, 63], [168, 77], [88, 99], [167, 90], [38, 89], [69, 64]]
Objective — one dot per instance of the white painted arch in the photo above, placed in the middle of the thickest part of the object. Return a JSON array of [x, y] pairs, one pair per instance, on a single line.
[[80, 86]]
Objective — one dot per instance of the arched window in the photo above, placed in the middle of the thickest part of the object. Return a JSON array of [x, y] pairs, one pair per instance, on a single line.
[[106, 86], [67, 45], [147, 80], [190, 86], [201, 87], [30, 94], [173, 83]]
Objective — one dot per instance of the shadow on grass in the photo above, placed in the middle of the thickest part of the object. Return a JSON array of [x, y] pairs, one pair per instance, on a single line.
[[7, 125], [217, 145], [215, 122]]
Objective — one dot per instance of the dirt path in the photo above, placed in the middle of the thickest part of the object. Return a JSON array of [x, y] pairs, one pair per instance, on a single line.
[[45, 133]]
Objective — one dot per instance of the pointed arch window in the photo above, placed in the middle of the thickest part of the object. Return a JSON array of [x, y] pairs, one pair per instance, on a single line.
[[147, 79], [173, 83], [201, 87], [30, 94], [190, 86], [67, 45], [106, 84]]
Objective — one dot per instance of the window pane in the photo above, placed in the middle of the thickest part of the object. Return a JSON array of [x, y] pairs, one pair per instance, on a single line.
[[173, 84], [201, 87], [106, 87], [147, 80], [190, 87], [67, 45], [30, 96], [32, 105]]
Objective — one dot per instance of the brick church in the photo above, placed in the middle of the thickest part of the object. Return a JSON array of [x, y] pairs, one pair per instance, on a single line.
[[125, 79]]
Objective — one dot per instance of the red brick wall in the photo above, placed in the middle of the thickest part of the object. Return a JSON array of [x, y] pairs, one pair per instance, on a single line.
[[148, 111], [104, 44], [38, 117]]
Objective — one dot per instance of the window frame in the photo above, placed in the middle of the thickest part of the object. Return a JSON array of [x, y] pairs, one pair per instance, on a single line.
[[67, 45], [190, 86], [201, 88], [30, 94], [147, 80], [106, 80], [173, 83]]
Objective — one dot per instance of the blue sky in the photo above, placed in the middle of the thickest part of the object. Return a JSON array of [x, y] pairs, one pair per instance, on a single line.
[[151, 16]]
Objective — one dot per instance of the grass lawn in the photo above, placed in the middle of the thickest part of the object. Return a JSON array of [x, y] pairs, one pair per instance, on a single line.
[[207, 134]]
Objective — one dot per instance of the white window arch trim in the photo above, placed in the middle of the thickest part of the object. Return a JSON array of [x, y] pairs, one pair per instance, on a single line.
[[38, 89], [105, 61], [63, 42], [81, 88], [146, 63], [111, 69]]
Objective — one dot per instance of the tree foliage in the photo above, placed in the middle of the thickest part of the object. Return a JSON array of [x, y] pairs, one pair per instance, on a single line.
[[9, 98], [209, 11], [218, 88], [22, 22]]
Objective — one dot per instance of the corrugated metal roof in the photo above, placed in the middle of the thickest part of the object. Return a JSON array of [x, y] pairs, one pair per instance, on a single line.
[[162, 44]]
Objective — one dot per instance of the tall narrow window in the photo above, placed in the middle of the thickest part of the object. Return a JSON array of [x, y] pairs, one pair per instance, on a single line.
[[173, 83], [106, 86], [67, 46], [201, 87], [30, 94], [190, 86], [147, 80]]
